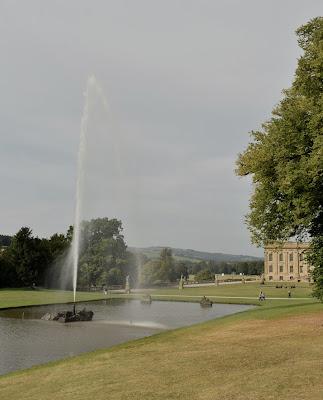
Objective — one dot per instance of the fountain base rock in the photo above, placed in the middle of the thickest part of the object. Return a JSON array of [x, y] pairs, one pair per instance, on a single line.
[[206, 302], [69, 316]]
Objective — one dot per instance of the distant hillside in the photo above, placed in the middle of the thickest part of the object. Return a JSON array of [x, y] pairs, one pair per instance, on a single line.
[[194, 255]]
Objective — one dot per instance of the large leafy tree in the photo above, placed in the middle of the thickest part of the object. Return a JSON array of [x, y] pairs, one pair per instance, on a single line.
[[159, 271], [103, 249], [5, 240], [8, 275], [285, 158], [167, 264], [30, 257]]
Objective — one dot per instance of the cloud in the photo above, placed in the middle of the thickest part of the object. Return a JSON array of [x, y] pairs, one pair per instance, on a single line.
[[186, 81]]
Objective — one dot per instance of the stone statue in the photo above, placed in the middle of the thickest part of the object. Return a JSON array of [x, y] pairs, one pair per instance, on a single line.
[[262, 279], [216, 280], [181, 283], [127, 288]]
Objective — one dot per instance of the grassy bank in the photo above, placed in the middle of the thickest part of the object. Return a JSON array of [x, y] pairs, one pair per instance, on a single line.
[[267, 353], [235, 294], [242, 290], [23, 297]]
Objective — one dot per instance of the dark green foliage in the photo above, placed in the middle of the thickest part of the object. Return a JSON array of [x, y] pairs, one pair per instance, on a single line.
[[115, 277], [8, 274], [315, 258], [30, 256], [167, 265], [104, 259], [28, 259], [246, 268], [159, 271], [181, 268], [5, 240], [204, 275]]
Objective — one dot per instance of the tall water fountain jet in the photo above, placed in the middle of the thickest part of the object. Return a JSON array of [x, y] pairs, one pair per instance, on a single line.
[[79, 185], [91, 84], [92, 92]]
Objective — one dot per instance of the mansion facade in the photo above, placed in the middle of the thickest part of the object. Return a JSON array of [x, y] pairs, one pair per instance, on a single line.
[[286, 262]]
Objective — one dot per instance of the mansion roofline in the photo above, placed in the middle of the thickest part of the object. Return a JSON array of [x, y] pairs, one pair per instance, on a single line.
[[287, 245]]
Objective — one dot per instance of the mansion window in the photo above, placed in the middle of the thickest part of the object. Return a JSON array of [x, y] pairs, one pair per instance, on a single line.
[[270, 278], [301, 257], [281, 278], [270, 256], [290, 256], [270, 268], [281, 257], [291, 269], [281, 268]]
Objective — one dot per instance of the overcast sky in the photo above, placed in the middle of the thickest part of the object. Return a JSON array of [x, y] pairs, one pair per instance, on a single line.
[[186, 81]]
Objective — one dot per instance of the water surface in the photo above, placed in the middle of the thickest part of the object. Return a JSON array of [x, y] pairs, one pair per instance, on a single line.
[[26, 340]]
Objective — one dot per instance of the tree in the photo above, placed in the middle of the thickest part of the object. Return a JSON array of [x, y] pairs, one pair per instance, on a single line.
[[8, 275], [28, 259], [103, 250], [285, 159], [167, 272], [204, 275], [5, 240], [159, 271], [115, 277], [149, 273], [180, 269], [30, 256]]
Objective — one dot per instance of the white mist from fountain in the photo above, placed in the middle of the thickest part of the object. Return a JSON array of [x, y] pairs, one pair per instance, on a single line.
[[92, 94]]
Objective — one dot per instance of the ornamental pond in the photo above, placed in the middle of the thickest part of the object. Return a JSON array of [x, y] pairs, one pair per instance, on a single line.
[[26, 340]]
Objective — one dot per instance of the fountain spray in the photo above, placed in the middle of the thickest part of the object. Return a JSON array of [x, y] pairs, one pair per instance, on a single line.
[[92, 92], [80, 182]]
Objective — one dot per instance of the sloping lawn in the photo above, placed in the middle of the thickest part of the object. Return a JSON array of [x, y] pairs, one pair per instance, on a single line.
[[263, 354]]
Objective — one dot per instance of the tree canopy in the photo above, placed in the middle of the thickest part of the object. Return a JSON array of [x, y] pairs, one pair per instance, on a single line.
[[159, 271], [104, 252], [28, 259], [285, 158]]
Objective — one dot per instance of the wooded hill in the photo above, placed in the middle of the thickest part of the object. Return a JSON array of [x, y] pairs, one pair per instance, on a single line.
[[193, 255]]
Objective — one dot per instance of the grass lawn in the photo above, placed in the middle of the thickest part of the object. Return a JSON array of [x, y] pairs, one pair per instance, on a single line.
[[241, 290], [271, 352], [238, 293], [23, 297], [264, 354], [235, 293]]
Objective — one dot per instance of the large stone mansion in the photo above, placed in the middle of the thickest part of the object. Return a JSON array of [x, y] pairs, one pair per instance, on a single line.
[[286, 262]]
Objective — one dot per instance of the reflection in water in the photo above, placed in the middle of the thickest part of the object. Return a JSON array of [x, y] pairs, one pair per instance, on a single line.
[[26, 340]]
